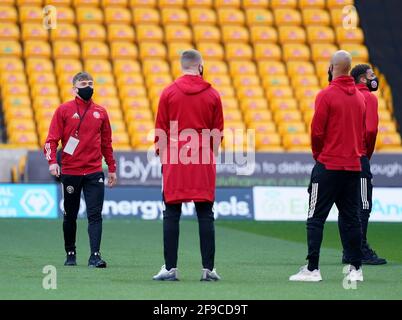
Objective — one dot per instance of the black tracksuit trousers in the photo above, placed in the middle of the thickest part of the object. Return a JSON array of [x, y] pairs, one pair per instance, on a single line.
[[93, 188]]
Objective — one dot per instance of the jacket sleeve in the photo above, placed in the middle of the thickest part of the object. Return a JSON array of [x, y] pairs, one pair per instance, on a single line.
[[318, 124], [371, 124], [54, 136], [161, 123], [106, 144], [218, 123]]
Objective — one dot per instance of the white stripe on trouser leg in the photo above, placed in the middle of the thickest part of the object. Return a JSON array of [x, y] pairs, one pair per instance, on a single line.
[[363, 186], [313, 199]]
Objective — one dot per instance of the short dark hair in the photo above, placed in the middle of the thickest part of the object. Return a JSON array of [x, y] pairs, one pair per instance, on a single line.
[[82, 76], [358, 71]]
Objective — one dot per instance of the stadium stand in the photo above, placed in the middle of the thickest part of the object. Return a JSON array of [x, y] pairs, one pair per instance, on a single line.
[[268, 59]]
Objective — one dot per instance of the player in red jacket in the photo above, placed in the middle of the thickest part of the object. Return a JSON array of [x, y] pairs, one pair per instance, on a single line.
[[366, 81], [337, 140], [189, 108], [83, 128]]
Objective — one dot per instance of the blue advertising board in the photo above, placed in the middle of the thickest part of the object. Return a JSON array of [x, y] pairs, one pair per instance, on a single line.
[[28, 201]]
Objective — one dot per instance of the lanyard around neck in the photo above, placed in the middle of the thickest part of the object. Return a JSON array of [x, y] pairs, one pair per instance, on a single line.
[[81, 118]]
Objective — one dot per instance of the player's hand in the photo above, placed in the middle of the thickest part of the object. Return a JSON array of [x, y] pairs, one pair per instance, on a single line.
[[112, 179], [54, 169]]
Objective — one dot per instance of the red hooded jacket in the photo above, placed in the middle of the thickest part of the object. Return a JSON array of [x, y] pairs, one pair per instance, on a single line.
[[95, 138], [338, 125], [371, 120], [193, 105]]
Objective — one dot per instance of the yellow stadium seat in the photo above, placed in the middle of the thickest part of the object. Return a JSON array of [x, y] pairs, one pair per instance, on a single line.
[[250, 92], [320, 34], [296, 141], [85, 3], [138, 115], [387, 140], [44, 114], [387, 127], [266, 141], [34, 31], [234, 125], [65, 32], [9, 31], [10, 48], [296, 52], [97, 66], [155, 66], [44, 90], [143, 3], [11, 64], [41, 78], [225, 91], [257, 116], [229, 103], [263, 34], [215, 67], [384, 115], [232, 115], [283, 104], [65, 14], [36, 48], [65, 78], [68, 66], [338, 3], [132, 91], [235, 34], [344, 35], [38, 65], [148, 33], [227, 16], [287, 116], [291, 128], [306, 92], [175, 49], [242, 68], [135, 103], [63, 49], [140, 127], [129, 79], [117, 15], [12, 77], [158, 80], [123, 49], [358, 51], [47, 102], [267, 51], [238, 51], [338, 17], [246, 80], [120, 32], [206, 33], [199, 4], [316, 17], [114, 3], [300, 68], [114, 114], [322, 67], [28, 137], [152, 50], [8, 14], [271, 68], [171, 3], [259, 17], [202, 16], [287, 17], [20, 125], [307, 104], [118, 126], [275, 81], [18, 113], [108, 102], [178, 33], [323, 52], [89, 15], [291, 34], [258, 4], [174, 16], [145, 16], [30, 13], [227, 4], [211, 50], [319, 4], [304, 80], [105, 91], [276, 4], [17, 89], [92, 31], [94, 50], [254, 104], [103, 79], [218, 80], [121, 66], [279, 92], [263, 127], [10, 102]]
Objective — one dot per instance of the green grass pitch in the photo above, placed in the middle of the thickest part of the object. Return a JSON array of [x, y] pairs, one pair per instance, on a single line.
[[254, 259]]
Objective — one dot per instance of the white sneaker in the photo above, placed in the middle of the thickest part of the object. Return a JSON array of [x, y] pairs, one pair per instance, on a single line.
[[306, 275], [208, 275], [354, 275], [167, 275]]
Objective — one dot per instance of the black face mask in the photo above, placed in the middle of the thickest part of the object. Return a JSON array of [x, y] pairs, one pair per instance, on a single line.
[[201, 70], [372, 84], [329, 74], [86, 93]]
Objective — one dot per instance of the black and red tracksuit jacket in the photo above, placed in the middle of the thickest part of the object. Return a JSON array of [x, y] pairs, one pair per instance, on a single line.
[[95, 137]]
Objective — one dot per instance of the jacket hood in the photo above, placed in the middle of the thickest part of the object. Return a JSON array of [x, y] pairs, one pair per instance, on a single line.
[[189, 84], [362, 87], [346, 83]]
